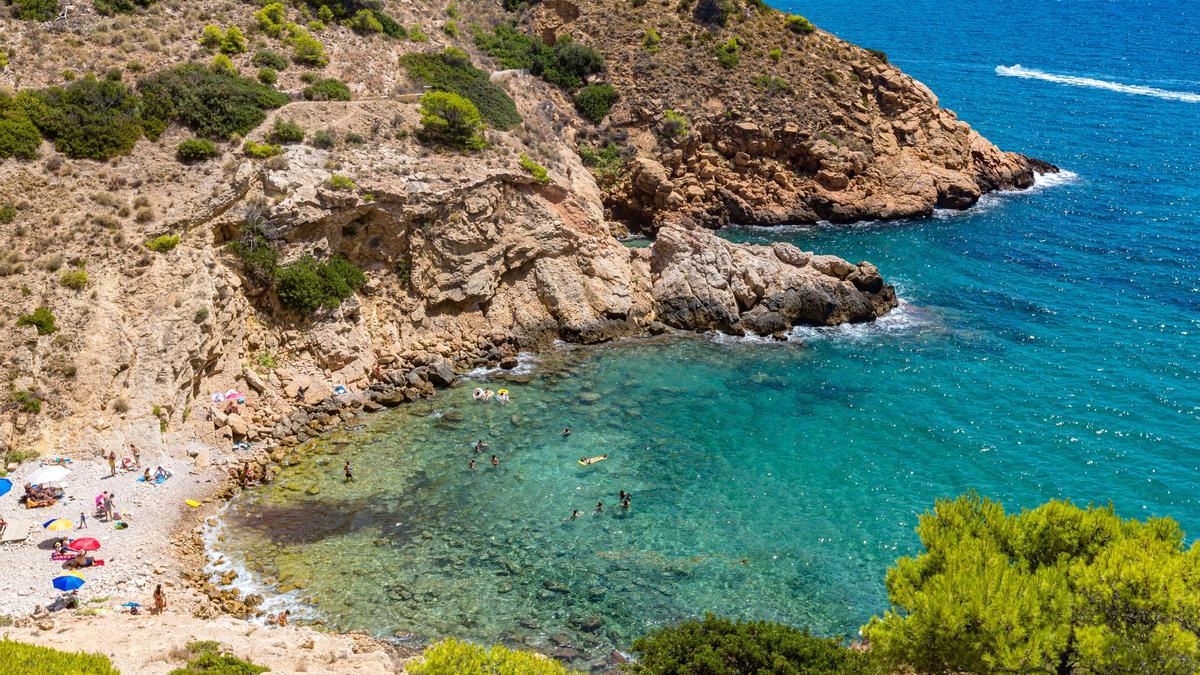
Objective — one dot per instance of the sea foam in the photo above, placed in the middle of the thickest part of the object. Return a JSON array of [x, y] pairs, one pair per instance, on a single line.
[[1075, 81]]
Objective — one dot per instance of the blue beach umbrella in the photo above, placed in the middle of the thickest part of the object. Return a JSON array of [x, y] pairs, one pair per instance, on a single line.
[[70, 581], [5, 486], [132, 604]]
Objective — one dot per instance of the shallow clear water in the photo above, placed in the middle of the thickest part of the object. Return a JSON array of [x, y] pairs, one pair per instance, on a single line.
[[1048, 347]]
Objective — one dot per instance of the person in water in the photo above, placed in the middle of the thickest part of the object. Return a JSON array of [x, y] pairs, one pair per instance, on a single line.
[[626, 501], [599, 507], [566, 431], [349, 472], [480, 445], [495, 461], [621, 496], [574, 514], [471, 465]]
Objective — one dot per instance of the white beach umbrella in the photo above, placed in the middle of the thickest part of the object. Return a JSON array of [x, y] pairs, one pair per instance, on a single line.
[[49, 474]]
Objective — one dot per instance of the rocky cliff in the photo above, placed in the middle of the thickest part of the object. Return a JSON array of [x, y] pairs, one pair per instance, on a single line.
[[467, 258]]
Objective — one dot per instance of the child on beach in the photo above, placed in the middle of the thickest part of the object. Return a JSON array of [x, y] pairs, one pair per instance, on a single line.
[[82, 521], [349, 472]]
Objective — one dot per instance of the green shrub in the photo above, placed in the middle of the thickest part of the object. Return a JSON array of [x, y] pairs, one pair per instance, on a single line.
[[775, 54], [364, 21], [451, 28], [36, 10], [594, 100], [268, 76], [537, 170], [209, 657], [75, 279], [111, 7], [196, 150], [721, 646], [417, 35], [650, 40], [234, 41], [832, 77], [89, 118], [676, 124], [41, 318], [285, 131], [18, 657], [879, 54], [327, 89], [163, 243], [325, 14], [19, 136], [260, 260], [605, 163], [1054, 589], [772, 85], [200, 316], [213, 104], [261, 150], [390, 27], [323, 138], [339, 182], [568, 63], [221, 63], [211, 36], [305, 286], [267, 58], [451, 657], [8, 213], [444, 72], [729, 52], [452, 120], [308, 50], [798, 24], [270, 20]]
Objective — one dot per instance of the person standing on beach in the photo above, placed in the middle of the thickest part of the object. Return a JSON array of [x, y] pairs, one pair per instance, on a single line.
[[349, 471], [137, 456], [160, 600], [82, 521], [112, 463]]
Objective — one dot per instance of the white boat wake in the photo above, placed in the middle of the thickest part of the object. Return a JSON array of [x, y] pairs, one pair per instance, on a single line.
[[1033, 74]]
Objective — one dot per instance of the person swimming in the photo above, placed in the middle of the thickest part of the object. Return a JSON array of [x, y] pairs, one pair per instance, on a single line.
[[480, 446], [626, 501], [471, 465], [495, 461], [574, 514], [502, 396], [599, 507], [488, 394], [566, 432]]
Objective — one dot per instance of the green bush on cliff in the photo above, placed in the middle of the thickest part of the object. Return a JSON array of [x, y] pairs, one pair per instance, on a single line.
[[196, 150], [286, 131], [594, 100], [209, 657], [41, 318], [450, 119], [18, 657], [327, 89], [451, 657], [724, 647], [111, 7], [568, 63], [536, 170], [305, 286], [607, 163], [163, 243], [92, 118], [1055, 589], [447, 73], [798, 24], [35, 10], [268, 58], [729, 53], [213, 104], [19, 136]]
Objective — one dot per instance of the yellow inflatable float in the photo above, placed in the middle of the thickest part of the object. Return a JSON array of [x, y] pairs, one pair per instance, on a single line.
[[588, 461]]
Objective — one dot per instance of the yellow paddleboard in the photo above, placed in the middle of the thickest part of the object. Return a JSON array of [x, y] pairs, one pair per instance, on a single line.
[[592, 460], [192, 502]]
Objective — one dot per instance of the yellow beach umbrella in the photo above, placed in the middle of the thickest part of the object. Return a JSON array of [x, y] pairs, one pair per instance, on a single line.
[[58, 524]]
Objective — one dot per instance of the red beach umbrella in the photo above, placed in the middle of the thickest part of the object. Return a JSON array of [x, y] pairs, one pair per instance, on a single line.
[[84, 544]]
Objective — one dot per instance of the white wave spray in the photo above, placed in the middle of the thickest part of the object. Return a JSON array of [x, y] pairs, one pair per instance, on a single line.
[[1033, 74]]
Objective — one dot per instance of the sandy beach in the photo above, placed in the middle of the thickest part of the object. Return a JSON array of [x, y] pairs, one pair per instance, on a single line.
[[158, 547]]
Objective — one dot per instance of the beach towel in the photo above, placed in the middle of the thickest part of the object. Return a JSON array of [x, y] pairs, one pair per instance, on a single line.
[[157, 481], [62, 556]]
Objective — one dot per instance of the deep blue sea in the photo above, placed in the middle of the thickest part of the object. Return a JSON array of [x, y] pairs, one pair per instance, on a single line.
[[1048, 346]]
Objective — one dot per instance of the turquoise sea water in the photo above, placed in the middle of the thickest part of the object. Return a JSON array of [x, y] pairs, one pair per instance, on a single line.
[[1047, 347]]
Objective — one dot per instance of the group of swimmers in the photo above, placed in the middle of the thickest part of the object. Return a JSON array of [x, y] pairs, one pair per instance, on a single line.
[[480, 446], [625, 499], [487, 395]]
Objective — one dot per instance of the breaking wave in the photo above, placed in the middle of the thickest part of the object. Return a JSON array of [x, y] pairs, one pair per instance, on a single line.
[[1033, 74]]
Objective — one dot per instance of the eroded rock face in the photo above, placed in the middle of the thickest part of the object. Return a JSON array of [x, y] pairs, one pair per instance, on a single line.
[[702, 282]]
